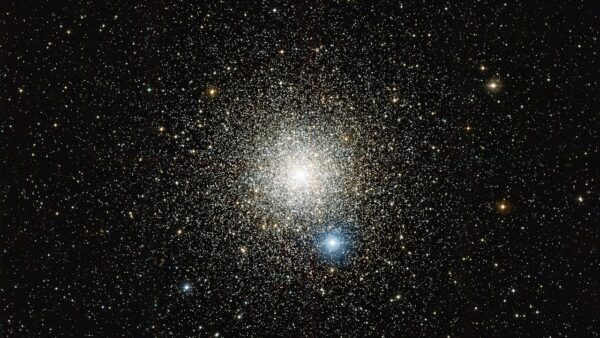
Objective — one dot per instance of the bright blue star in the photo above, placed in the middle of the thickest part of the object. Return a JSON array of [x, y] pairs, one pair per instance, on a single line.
[[332, 243], [336, 242], [186, 287], [334, 247]]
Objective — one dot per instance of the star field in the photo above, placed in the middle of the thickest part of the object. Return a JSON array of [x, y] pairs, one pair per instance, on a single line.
[[299, 169]]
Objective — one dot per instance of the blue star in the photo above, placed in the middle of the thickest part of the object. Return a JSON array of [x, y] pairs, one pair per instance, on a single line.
[[334, 247], [336, 243], [186, 287], [332, 243]]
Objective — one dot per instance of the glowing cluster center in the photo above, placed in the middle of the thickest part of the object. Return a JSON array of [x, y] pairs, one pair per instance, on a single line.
[[299, 176]]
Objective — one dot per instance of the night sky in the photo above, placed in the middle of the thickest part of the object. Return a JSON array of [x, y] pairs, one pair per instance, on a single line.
[[320, 168]]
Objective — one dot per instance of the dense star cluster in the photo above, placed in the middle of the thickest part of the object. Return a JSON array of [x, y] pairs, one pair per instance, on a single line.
[[300, 169]]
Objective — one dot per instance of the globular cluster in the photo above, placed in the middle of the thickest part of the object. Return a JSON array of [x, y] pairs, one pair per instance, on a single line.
[[300, 169]]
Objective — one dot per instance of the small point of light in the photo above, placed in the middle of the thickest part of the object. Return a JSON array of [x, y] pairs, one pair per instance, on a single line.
[[494, 85], [503, 207], [212, 92]]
